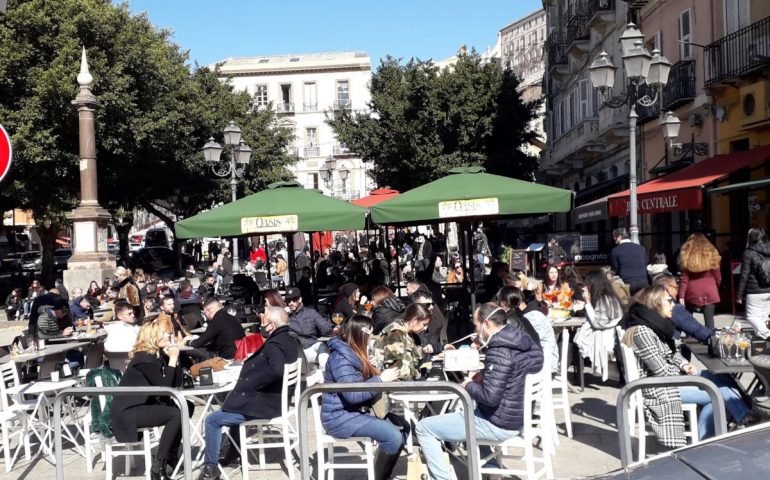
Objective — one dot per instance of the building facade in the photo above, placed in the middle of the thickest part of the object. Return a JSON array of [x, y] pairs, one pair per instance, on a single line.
[[302, 89]]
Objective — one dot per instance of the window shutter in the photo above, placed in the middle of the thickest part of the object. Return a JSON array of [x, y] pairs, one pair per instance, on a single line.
[[584, 101], [685, 35], [659, 40], [744, 17], [731, 16]]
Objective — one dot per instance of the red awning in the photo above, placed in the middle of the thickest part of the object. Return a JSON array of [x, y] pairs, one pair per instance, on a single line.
[[377, 196], [683, 189]]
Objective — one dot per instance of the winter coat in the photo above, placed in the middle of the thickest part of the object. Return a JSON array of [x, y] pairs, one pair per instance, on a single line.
[[386, 312], [78, 312], [655, 269], [48, 326], [145, 370], [257, 394], [629, 261], [397, 347], [701, 288], [686, 323], [307, 325], [596, 337], [343, 413], [220, 335], [510, 356], [100, 418], [751, 262]]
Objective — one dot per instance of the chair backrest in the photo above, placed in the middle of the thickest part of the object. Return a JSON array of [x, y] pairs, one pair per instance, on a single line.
[[10, 378], [95, 355], [630, 366], [102, 398], [315, 404], [118, 360], [533, 392], [563, 355], [292, 373]]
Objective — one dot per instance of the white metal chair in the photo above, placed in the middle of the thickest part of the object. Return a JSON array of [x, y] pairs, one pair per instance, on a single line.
[[283, 430], [560, 384], [11, 423], [535, 391], [327, 456], [636, 417]]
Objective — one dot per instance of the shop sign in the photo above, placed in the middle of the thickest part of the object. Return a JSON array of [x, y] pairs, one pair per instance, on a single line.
[[472, 207], [658, 202], [593, 212], [275, 223]]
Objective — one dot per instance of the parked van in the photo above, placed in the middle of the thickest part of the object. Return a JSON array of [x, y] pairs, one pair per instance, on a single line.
[[156, 237]]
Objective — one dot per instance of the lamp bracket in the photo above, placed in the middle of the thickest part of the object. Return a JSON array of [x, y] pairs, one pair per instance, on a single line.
[[647, 102], [221, 169]]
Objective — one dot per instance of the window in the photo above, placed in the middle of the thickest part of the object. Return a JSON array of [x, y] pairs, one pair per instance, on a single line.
[[614, 171], [736, 15], [655, 42], [286, 104], [260, 95], [311, 137], [312, 181], [685, 35], [585, 101], [309, 97], [343, 94]]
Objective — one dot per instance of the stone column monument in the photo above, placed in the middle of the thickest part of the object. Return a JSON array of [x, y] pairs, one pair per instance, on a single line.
[[90, 259]]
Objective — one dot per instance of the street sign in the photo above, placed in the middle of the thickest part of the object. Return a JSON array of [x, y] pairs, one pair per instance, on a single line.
[[6, 153]]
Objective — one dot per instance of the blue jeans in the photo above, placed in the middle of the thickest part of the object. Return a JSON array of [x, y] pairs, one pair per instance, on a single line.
[[389, 437], [213, 433], [451, 428], [730, 394]]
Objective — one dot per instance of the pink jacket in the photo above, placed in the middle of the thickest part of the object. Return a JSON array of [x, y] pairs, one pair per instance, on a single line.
[[700, 288]]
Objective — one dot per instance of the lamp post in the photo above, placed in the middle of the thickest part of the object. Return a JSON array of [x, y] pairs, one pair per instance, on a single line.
[[240, 155], [327, 174], [640, 67], [671, 126]]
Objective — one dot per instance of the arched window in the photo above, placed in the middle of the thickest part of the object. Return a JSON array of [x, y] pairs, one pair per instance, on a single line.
[[614, 171]]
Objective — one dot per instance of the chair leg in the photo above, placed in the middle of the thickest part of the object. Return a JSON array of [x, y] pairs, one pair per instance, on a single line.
[[567, 409], [244, 452], [289, 458], [7, 449], [108, 463], [369, 449], [147, 456], [529, 458]]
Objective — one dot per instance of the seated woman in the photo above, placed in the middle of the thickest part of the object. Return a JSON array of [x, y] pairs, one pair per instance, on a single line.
[[153, 364], [387, 307], [596, 337], [399, 345], [341, 413], [347, 301], [553, 280], [650, 334]]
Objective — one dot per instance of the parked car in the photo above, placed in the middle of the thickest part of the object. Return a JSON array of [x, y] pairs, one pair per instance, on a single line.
[[741, 454], [10, 262], [31, 261], [159, 260], [60, 257]]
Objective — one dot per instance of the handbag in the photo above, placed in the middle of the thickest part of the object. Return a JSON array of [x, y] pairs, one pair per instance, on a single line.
[[217, 364], [381, 406], [417, 470]]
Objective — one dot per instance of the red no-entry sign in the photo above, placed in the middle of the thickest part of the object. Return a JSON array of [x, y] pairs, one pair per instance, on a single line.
[[6, 152]]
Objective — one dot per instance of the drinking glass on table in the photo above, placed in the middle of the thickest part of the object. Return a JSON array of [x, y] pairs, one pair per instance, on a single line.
[[337, 318], [744, 342]]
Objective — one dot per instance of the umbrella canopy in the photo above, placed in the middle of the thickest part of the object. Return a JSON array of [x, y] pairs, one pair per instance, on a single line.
[[469, 193], [284, 207], [377, 196]]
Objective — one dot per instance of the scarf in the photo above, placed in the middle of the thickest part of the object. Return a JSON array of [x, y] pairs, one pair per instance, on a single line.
[[640, 315]]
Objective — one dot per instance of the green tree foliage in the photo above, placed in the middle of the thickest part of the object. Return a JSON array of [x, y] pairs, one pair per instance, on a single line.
[[424, 121], [155, 114]]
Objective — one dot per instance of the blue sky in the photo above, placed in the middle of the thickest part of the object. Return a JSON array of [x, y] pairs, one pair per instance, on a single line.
[[214, 30]]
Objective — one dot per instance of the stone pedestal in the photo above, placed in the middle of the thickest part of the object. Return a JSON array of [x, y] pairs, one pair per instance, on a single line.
[[90, 259]]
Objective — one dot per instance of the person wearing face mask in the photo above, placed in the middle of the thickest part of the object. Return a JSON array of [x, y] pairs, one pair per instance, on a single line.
[[399, 343], [498, 391], [257, 394]]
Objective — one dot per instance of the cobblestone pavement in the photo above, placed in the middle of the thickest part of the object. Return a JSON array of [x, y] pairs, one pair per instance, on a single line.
[[592, 451]]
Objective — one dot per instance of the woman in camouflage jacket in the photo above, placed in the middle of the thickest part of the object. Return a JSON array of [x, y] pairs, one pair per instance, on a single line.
[[399, 344]]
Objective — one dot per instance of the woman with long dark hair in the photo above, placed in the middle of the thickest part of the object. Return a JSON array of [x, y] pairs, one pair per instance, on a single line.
[[552, 280], [530, 319], [753, 284], [700, 277], [596, 337], [342, 413]]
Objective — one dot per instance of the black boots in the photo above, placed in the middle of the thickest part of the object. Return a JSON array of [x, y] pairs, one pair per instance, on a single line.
[[209, 472], [158, 470], [384, 463]]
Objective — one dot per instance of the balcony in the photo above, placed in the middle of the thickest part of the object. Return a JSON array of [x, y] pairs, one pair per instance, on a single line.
[[341, 151], [312, 151], [601, 13], [342, 104], [344, 194], [647, 114], [680, 88], [284, 107], [578, 33], [309, 107], [557, 56], [292, 151], [739, 53]]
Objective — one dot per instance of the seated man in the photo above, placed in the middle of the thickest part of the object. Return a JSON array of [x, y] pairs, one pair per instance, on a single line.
[[683, 320], [307, 325], [221, 333], [206, 288], [189, 305], [121, 335], [257, 394], [170, 318], [81, 309], [498, 390], [54, 321]]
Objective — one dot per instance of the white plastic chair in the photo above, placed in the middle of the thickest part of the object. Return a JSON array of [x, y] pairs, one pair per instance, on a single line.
[[327, 457], [536, 391], [636, 417], [282, 429], [560, 385], [11, 423]]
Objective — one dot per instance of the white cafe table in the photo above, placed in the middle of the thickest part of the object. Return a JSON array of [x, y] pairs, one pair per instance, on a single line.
[[414, 402], [199, 330], [51, 354]]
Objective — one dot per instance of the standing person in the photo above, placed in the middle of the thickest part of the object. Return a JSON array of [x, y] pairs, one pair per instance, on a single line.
[[753, 283], [227, 267], [257, 393], [129, 291], [498, 391], [629, 261], [341, 413], [650, 333], [154, 361], [700, 277]]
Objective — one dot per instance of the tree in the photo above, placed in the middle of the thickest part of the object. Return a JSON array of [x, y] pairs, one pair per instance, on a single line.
[[423, 121], [155, 114]]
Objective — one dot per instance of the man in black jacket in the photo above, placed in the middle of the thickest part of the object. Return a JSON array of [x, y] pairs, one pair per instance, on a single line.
[[307, 325], [257, 394], [221, 333], [629, 261]]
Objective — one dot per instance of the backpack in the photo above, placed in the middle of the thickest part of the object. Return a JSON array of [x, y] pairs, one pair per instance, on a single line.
[[100, 417], [762, 271]]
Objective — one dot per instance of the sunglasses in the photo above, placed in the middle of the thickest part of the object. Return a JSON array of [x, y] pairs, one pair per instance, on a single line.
[[671, 301]]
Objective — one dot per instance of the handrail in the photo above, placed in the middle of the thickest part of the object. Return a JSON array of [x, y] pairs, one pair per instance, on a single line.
[[624, 400], [403, 387], [123, 391]]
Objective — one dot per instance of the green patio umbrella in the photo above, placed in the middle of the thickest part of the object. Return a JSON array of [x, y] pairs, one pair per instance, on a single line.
[[283, 207], [468, 193]]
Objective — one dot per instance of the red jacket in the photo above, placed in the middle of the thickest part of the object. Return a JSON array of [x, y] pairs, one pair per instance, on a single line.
[[700, 288]]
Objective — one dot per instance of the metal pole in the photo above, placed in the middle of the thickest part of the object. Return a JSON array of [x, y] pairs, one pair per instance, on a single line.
[[470, 424], [234, 197], [122, 391], [624, 400], [634, 227]]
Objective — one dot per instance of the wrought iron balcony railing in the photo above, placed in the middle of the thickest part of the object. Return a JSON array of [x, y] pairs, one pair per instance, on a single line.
[[341, 104], [577, 28], [284, 107], [557, 52], [309, 107], [312, 151], [341, 150], [738, 53], [680, 88]]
